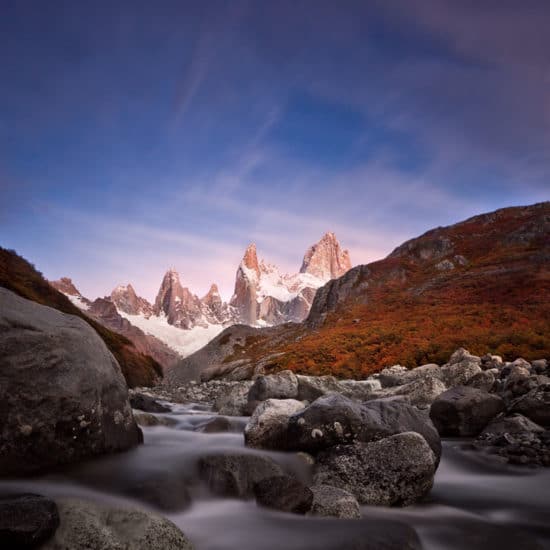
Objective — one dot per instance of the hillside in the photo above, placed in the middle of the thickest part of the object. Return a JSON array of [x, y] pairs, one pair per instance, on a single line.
[[483, 283], [21, 277]]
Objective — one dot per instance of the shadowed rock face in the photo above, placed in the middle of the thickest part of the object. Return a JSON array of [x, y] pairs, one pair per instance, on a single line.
[[62, 394]]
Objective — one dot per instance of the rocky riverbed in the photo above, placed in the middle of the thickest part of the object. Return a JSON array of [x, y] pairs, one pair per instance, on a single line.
[[474, 504]]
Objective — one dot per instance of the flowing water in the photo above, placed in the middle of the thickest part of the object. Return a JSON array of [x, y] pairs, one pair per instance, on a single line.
[[475, 503]]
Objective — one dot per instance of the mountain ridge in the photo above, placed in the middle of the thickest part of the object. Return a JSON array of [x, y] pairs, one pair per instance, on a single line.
[[483, 282]]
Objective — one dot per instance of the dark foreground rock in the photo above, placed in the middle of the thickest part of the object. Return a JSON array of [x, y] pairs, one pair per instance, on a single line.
[[97, 527], [234, 475], [62, 395], [464, 411], [395, 471], [283, 493], [26, 520]]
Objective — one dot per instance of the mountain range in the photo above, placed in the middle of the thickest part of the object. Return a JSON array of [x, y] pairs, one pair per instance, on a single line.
[[483, 283], [179, 322]]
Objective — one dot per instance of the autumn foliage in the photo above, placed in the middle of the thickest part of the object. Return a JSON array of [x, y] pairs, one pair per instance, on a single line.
[[413, 311]]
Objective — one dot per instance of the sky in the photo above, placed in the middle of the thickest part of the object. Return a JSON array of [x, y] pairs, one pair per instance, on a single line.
[[137, 136]]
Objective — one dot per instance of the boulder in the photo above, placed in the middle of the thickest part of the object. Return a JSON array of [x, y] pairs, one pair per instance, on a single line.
[[97, 527], [333, 502], [382, 418], [328, 421], [26, 520], [234, 400], [482, 381], [234, 475], [283, 493], [147, 403], [360, 390], [312, 387], [335, 419], [457, 374], [535, 405], [395, 471], [393, 376], [62, 395], [464, 411], [283, 385], [421, 392], [268, 426], [513, 424]]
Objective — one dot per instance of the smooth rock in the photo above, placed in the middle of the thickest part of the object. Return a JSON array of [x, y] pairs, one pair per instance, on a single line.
[[62, 395], [97, 527], [234, 475], [26, 520], [268, 426], [395, 471], [464, 411], [283, 493], [333, 502]]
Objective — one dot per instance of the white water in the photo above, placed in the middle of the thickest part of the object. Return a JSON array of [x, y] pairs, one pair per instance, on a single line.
[[474, 504]]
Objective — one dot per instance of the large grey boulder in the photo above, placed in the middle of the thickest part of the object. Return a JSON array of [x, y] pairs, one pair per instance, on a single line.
[[233, 401], [336, 419], [534, 405], [328, 421], [311, 388], [395, 471], [283, 385], [62, 395], [235, 474], [97, 527], [464, 411], [268, 426], [382, 418], [333, 502], [26, 520]]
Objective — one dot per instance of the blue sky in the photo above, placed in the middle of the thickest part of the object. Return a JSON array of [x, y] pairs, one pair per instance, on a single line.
[[138, 135]]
